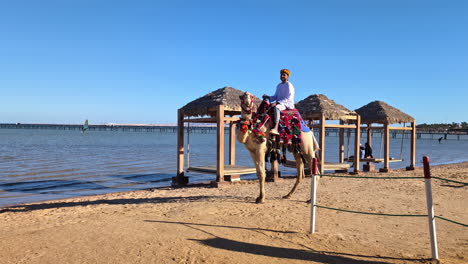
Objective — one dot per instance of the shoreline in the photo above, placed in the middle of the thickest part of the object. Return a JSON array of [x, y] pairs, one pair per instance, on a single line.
[[207, 183], [198, 224]]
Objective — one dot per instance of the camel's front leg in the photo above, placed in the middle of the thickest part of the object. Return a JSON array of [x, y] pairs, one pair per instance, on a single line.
[[259, 159], [300, 174]]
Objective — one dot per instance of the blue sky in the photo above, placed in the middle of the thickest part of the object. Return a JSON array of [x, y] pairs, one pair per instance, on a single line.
[[111, 61]]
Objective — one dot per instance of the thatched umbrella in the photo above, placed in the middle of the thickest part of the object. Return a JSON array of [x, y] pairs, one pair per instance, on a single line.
[[207, 104], [381, 113], [318, 106], [221, 105]]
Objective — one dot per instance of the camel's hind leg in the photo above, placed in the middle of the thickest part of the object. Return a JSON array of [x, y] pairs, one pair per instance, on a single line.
[[300, 174], [259, 160]]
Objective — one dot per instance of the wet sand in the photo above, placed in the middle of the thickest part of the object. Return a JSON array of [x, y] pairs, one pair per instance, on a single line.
[[199, 224]]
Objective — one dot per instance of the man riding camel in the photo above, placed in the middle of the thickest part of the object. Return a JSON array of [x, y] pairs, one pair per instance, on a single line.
[[283, 98]]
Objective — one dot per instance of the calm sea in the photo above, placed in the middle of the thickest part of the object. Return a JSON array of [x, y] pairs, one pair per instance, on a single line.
[[38, 165]]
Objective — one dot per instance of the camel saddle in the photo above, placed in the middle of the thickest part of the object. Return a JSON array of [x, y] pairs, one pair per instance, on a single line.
[[290, 127]]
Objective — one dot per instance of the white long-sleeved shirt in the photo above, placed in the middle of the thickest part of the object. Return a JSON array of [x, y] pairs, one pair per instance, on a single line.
[[284, 95]]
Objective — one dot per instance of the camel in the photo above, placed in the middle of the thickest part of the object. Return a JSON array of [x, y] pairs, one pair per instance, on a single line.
[[258, 147]]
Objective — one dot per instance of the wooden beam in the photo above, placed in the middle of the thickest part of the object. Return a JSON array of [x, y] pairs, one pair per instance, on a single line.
[[341, 149], [180, 143], [225, 108], [327, 166], [220, 144], [274, 171], [180, 179], [374, 127], [369, 135], [390, 128], [349, 117], [231, 119], [201, 120], [368, 166], [413, 146], [228, 169], [318, 116], [413, 143], [334, 126], [400, 128], [340, 126], [386, 148], [357, 150], [322, 142], [211, 120], [232, 143]]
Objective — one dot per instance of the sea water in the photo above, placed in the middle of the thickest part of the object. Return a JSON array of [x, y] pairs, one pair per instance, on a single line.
[[38, 165]]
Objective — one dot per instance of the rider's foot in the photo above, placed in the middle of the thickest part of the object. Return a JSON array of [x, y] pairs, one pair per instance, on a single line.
[[274, 131]]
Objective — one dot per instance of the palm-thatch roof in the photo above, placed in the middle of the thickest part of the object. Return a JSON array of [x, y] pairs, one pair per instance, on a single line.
[[381, 113], [206, 105], [317, 104]]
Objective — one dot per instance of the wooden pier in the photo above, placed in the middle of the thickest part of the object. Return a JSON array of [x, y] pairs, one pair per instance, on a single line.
[[110, 127], [333, 132]]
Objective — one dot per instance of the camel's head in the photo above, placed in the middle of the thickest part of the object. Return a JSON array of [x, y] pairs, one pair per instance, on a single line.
[[247, 105]]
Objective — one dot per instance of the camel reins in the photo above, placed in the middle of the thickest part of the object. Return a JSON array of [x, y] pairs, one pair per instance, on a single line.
[[245, 107], [246, 124]]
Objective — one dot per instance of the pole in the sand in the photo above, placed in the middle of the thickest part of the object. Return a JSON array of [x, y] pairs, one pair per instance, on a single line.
[[313, 195], [430, 208]]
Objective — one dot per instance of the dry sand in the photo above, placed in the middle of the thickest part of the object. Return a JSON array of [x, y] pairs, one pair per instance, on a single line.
[[199, 224]]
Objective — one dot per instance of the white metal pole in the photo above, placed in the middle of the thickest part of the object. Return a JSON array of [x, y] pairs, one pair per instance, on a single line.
[[313, 195], [430, 208]]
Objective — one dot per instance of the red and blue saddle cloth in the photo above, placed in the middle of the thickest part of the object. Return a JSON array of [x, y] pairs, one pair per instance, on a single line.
[[291, 124], [290, 127]]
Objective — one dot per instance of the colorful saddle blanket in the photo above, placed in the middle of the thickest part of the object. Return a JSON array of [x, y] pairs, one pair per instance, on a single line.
[[291, 124], [289, 128]]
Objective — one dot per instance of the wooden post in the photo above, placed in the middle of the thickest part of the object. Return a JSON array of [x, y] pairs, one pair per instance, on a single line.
[[369, 134], [341, 145], [220, 144], [413, 146], [313, 195], [386, 148], [180, 179], [357, 150], [430, 208], [273, 174], [322, 143], [232, 143], [368, 166]]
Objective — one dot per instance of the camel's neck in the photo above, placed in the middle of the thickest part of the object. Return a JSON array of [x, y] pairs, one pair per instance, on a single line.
[[246, 116], [243, 134]]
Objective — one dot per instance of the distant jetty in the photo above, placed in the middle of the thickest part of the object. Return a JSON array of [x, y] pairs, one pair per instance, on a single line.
[[110, 127], [210, 129]]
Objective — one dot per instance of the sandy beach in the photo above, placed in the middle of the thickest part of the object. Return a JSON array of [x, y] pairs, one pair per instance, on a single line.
[[199, 224]]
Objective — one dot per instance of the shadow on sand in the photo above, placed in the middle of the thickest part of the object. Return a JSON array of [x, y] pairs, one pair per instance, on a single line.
[[50, 205], [59, 189], [279, 252]]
